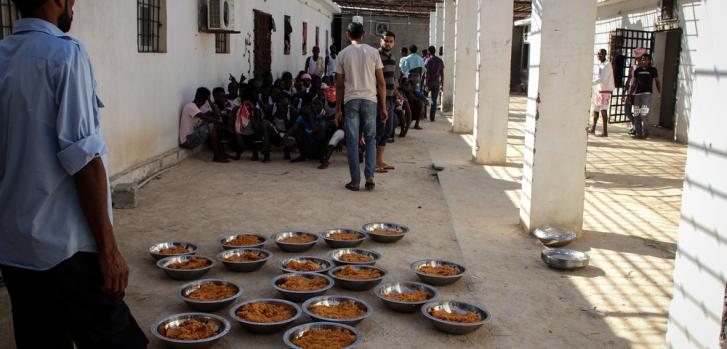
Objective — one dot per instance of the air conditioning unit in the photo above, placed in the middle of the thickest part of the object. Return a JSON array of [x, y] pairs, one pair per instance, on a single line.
[[221, 15]]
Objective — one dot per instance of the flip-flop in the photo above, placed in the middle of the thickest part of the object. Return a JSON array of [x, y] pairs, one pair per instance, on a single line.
[[389, 167], [381, 170]]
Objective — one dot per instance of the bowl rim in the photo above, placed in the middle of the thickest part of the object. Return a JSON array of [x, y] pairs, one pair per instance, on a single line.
[[253, 249], [404, 227], [233, 309], [173, 242], [274, 237], [415, 270], [378, 294], [180, 291], [223, 332], [307, 303], [161, 262], [334, 277], [289, 343], [281, 264], [377, 256], [225, 236], [330, 281], [568, 235], [427, 305], [361, 233], [552, 252]]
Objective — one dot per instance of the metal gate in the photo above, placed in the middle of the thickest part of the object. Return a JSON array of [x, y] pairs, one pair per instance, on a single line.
[[622, 44]]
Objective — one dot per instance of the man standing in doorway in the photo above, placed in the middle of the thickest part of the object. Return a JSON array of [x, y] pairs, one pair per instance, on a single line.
[[315, 64], [385, 127], [645, 76], [602, 99], [359, 75], [435, 79], [57, 245]]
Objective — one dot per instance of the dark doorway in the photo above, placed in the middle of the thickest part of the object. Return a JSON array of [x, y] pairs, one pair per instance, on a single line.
[[336, 31], [263, 42], [622, 44], [672, 42]]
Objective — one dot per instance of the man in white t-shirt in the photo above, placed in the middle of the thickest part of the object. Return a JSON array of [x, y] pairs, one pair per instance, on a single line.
[[604, 87], [200, 119], [359, 79]]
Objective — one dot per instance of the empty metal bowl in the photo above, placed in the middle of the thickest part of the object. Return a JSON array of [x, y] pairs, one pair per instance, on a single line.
[[333, 243], [564, 258], [293, 247], [554, 237], [335, 300], [154, 249], [438, 280], [402, 288], [324, 264], [265, 327], [243, 266], [401, 231], [335, 256], [300, 330], [225, 240], [220, 324], [211, 305], [357, 284], [184, 274], [299, 296], [456, 307]]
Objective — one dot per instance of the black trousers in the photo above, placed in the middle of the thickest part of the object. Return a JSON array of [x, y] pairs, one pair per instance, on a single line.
[[64, 305]]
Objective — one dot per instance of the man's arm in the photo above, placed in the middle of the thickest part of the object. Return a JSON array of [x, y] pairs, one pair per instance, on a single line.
[[92, 187], [340, 91], [658, 84], [381, 82]]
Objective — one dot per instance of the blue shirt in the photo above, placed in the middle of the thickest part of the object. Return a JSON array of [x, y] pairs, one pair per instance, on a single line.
[[49, 130], [414, 61]]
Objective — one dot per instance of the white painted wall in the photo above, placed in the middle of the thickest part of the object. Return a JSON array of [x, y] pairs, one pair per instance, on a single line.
[[465, 66], [144, 92]]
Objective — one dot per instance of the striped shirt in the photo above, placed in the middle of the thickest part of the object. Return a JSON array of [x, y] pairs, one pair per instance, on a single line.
[[389, 72]]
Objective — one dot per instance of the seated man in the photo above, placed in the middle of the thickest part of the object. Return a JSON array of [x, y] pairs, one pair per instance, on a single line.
[[276, 126], [307, 131], [334, 133], [227, 115], [248, 121], [403, 112], [201, 119]]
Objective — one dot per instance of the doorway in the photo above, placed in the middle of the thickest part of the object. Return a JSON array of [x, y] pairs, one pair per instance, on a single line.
[[263, 42], [667, 50]]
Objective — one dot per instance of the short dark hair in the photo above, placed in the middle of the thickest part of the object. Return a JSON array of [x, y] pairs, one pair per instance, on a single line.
[[646, 55], [202, 94], [286, 76], [356, 30], [404, 50], [27, 7], [218, 90], [603, 51], [389, 33], [432, 50], [413, 49]]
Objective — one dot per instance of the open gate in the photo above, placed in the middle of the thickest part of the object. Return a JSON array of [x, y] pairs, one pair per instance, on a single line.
[[622, 44]]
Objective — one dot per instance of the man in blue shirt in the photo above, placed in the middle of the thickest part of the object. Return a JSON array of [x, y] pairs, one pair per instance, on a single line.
[[57, 247], [415, 64]]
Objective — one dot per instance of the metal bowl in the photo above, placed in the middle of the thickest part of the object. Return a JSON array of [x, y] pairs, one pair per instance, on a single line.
[[564, 258], [300, 330], [357, 285], [335, 300], [456, 307], [400, 288], [243, 266], [154, 249], [221, 325], [184, 274], [214, 305], [335, 256], [332, 243], [265, 327], [225, 239], [323, 263], [386, 238], [554, 237], [288, 247], [435, 279], [300, 296]]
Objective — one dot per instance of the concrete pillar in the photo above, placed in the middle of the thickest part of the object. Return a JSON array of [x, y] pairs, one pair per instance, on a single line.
[[700, 272], [494, 48], [465, 65], [439, 38], [450, 19], [432, 28], [559, 91]]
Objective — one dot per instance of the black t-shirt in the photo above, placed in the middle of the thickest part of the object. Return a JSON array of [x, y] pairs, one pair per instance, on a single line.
[[645, 79]]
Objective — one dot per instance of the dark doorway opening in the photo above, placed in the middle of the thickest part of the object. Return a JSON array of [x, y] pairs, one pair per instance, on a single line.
[[263, 42], [669, 46]]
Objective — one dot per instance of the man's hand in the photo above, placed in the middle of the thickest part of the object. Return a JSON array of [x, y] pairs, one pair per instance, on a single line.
[[339, 118], [115, 272], [384, 114]]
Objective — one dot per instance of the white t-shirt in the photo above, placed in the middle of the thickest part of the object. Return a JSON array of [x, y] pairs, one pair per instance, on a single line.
[[605, 81], [189, 120], [358, 62]]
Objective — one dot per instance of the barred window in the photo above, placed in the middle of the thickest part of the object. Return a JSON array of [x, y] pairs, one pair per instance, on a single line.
[[8, 15], [151, 31], [222, 42]]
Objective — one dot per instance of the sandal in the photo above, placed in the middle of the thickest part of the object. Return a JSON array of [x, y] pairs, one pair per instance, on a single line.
[[381, 170], [389, 167]]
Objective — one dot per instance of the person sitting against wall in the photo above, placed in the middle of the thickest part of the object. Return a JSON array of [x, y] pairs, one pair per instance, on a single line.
[[199, 121], [248, 120], [276, 126], [315, 65], [228, 111]]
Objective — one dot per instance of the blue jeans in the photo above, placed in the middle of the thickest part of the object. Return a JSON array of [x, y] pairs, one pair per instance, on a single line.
[[434, 89], [360, 117], [385, 128]]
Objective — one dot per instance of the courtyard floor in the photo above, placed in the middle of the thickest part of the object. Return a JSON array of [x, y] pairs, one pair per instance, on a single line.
[[466, 213]]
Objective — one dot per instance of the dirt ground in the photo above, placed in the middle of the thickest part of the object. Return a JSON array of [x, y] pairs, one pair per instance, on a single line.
[[466, 213]]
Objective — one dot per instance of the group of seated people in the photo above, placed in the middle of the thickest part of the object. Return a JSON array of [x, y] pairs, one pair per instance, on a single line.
[[296, 116]]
